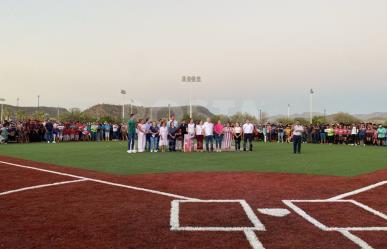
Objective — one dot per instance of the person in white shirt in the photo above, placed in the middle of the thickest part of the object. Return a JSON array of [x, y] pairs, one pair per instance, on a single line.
[[208, 129], [297, 137], [248, 129], [237, 136], [199, 136], [354, 132]]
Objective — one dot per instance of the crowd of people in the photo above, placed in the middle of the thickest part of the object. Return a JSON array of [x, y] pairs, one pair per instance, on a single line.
[[190, 135]]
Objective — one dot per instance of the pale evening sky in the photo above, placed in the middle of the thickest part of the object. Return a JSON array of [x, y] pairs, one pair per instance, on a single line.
[[249, 54]]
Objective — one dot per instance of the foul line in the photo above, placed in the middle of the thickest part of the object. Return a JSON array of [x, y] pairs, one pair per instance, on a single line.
[[358, 191], [101, 181], [41, 186]]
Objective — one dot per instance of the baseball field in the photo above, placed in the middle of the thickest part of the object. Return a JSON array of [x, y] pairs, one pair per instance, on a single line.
[[95, 195]]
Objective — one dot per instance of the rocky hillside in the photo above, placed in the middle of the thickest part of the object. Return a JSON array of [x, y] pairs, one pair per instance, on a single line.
[[11, 111], [115, 111]]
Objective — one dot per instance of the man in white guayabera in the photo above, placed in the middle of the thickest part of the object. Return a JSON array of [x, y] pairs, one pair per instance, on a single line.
[[297, 137], [248, 136], [208, 128]]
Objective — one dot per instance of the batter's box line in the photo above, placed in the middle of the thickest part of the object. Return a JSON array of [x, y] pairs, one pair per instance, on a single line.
[[175, 217], [345, 231]]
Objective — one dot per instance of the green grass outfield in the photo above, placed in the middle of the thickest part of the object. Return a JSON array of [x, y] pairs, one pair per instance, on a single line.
[[111, 157]]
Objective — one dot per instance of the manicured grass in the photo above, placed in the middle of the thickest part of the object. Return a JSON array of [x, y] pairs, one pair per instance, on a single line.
[[111, 157]]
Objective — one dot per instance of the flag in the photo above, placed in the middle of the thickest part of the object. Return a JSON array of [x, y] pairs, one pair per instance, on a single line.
[[311, 91], [123, 91]]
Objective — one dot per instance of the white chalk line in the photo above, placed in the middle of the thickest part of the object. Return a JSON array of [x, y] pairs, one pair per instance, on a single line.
[[358, 191], [41, 186], [253, 239], [345, 231], [250, 235], [101, 181], [175, 219], [355, 239]]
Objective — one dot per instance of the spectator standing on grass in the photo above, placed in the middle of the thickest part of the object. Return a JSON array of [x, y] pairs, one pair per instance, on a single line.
[[228, 133], [163, 138], [141, 136], [154, 134], [172, 133], [238, 136], [199, 136], [131, 134], [218, 130], [4, 133], [208, 128], [106, 128], [248, 129], [280, 133], [190, 135], [381, 135], [49, 126], [298, 130]]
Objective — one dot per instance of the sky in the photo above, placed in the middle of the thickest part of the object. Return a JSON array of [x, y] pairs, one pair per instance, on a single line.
[[250, 54]]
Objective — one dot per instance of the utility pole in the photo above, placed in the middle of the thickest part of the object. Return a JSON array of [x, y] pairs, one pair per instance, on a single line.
[[311, 106], [123, 92], [38, 102], [2, 110], [131, 106], [169, 111]]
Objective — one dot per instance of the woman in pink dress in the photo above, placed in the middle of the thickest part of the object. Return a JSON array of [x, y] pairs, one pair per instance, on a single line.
[[227, 137]]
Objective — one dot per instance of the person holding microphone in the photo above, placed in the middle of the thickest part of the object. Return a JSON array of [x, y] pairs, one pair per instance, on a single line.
[[297, 129]]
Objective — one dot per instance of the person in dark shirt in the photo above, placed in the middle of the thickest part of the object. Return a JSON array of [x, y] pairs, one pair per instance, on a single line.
[[49, 131], [154, 134], [172, 132]]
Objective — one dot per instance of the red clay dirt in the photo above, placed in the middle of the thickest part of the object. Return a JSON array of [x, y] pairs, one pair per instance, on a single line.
[[94, 215]]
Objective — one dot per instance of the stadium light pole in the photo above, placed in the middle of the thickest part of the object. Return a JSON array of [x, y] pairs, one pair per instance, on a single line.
[[191, 80], [131, 106], [123, 92], [311, 106], [2, 109]]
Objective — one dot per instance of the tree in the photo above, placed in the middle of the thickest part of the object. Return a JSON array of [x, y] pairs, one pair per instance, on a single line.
[[241, 117], [303, 121], [385, 123], [285, 121], [38, 115], [21, 115], [318, 120], [345, 118], [7, 113]]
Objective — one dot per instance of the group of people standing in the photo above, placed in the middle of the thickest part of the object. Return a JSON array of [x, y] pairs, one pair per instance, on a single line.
[[188, 136]]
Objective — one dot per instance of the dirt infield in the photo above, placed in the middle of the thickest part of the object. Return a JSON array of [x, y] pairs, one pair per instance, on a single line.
[[47, 206]]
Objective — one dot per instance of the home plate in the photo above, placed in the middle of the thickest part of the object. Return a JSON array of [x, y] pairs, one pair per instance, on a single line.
[[277, 212]]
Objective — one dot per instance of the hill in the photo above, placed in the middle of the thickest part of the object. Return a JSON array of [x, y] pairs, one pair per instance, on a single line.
[[115, 111], [11, 111]]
